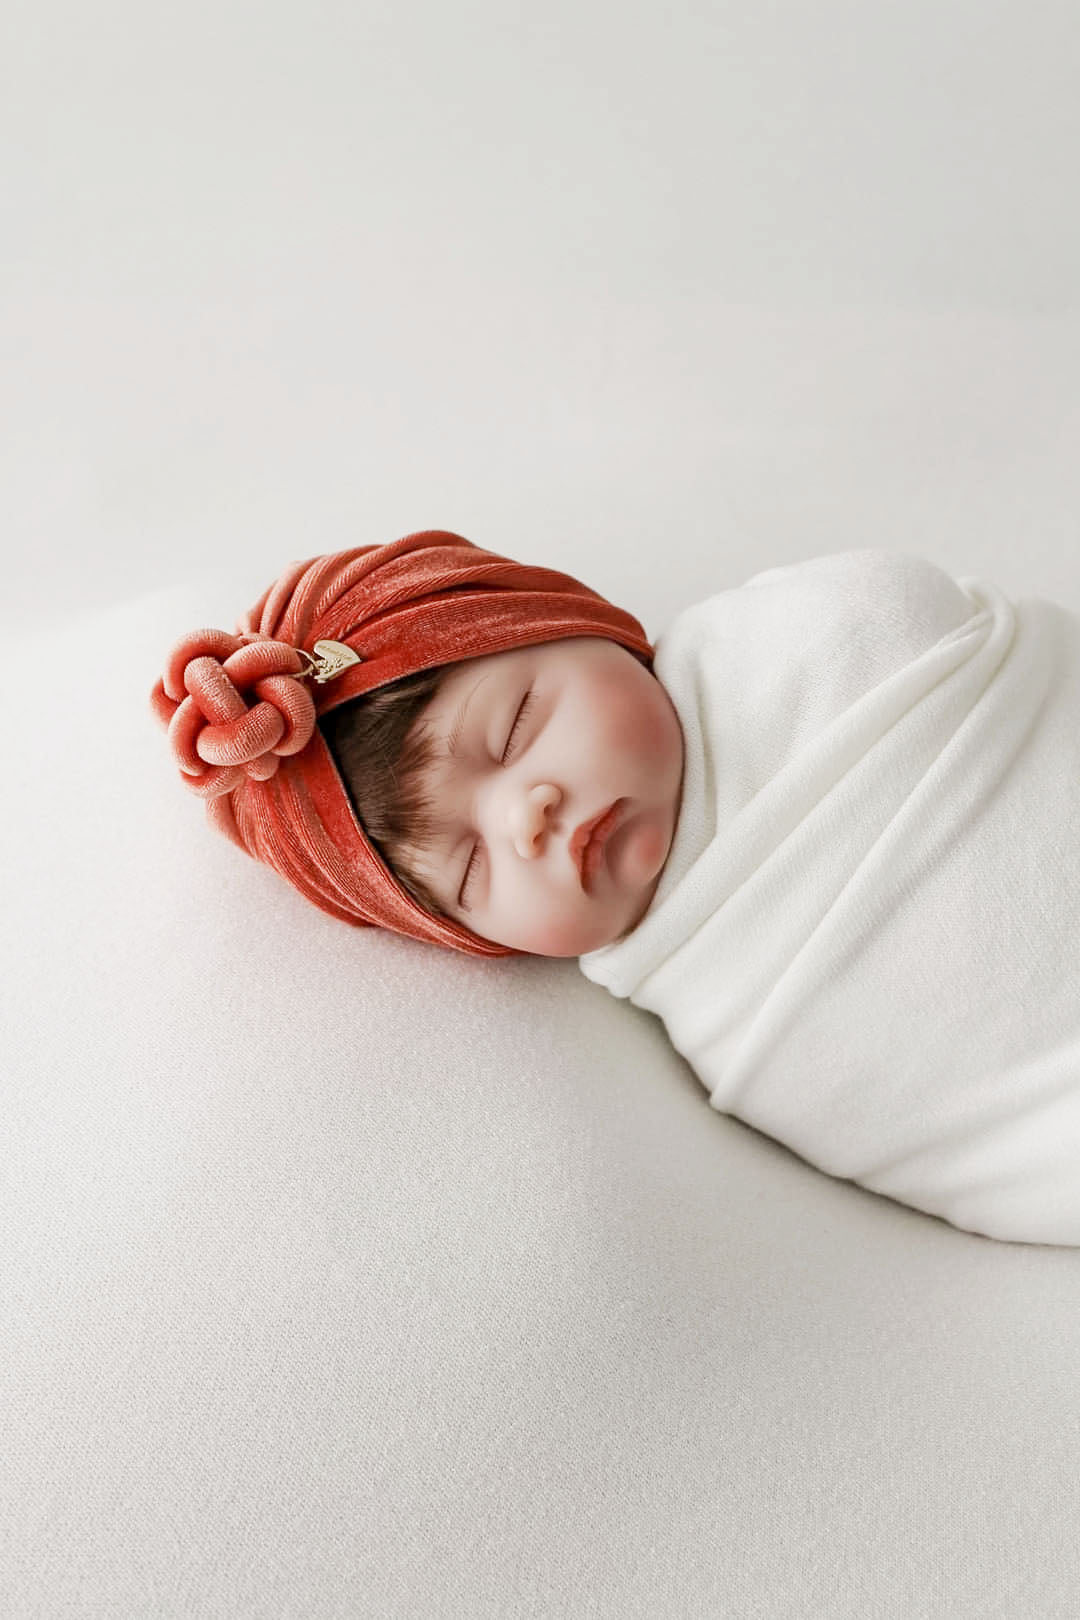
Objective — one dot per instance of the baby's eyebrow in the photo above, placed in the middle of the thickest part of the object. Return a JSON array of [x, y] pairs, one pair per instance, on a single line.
[[454, 735]]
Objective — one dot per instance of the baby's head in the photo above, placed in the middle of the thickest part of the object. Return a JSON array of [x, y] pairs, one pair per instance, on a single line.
[[477, 782], [419, 735]]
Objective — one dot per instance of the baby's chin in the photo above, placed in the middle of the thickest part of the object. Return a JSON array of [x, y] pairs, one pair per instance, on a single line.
[[565, 937], [578, 932], [577, 940], [570, 942], [637, 912], [610, 931]]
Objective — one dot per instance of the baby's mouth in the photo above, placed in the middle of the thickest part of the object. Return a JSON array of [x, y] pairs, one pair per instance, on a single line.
[[590, 839]]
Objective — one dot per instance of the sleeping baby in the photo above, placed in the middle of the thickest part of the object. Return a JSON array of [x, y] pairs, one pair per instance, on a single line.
[[826, 829]]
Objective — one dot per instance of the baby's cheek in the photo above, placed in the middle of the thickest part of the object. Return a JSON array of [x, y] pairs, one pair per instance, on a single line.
[[641, 730]]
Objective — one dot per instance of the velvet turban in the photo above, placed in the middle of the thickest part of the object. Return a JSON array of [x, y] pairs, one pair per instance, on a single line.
[[241, 709]]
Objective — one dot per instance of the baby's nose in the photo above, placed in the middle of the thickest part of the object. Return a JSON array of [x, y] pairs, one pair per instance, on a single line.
[[533, 818]]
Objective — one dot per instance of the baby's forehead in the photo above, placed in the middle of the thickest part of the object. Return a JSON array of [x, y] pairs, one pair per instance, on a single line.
[[576, 649], [561, 659]]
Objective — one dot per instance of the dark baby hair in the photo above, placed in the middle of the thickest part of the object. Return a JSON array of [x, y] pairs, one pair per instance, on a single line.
[[381, 766]]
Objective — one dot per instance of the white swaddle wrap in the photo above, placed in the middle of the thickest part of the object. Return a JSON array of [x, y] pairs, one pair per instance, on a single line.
[[866, 939]]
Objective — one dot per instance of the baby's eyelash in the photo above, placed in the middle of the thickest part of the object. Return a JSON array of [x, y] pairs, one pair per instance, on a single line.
[[522, 712], [465, 883]]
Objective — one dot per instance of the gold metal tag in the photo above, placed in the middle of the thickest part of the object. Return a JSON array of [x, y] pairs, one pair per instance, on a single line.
[[332, 658]]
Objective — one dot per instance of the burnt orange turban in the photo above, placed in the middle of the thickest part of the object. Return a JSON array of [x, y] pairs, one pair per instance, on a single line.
[[241, 709]]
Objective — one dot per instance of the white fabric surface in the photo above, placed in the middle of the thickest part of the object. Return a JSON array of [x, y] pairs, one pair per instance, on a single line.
[[866, 940], [343, 1277]]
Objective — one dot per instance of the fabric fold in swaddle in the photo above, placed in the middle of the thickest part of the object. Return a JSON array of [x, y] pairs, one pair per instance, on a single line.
[[866, 939]]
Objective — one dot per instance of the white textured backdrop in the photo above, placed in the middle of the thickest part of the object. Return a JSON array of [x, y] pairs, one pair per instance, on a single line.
[[282, 278]]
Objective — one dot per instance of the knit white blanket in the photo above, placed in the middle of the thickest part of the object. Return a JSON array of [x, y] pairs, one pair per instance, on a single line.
[[866, 939]]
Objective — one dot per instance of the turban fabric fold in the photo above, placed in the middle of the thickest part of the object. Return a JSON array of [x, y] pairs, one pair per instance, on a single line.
[[242, 722]]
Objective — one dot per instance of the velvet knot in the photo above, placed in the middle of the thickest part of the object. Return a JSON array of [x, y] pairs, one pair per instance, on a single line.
[[233, 706]]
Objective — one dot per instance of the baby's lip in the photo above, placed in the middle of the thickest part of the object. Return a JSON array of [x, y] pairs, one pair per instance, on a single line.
[[579, 842]]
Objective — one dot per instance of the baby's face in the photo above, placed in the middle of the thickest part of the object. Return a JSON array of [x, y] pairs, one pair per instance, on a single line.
[[597, 727]]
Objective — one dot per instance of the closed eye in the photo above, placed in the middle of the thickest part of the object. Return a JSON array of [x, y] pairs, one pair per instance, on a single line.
[[522, 712], [526, 705]]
